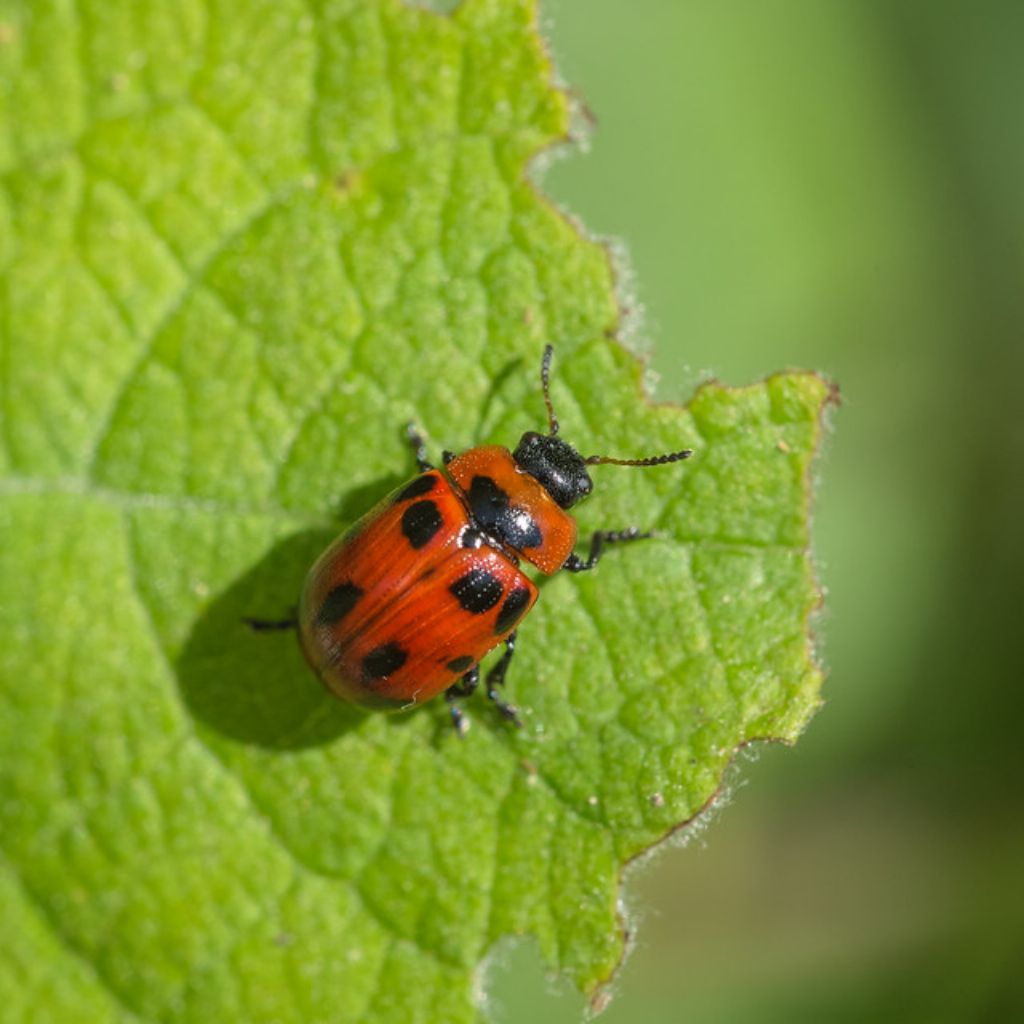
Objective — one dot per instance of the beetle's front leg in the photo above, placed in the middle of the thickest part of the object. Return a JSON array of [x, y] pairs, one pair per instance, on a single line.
[[419, 447], [597, 544]]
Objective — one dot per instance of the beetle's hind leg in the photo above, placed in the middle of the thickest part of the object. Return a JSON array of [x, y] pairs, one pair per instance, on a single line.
[[271, 625], [496, 678], [457, 691]]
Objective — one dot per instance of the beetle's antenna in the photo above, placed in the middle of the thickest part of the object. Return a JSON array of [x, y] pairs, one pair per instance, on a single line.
[[545, 370], [653, 460]]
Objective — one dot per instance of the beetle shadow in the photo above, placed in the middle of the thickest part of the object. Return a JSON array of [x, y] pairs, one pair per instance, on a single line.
[[358, 501], [255, 687]]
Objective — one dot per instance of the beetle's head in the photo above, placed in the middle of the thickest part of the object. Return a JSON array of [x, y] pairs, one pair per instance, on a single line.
[[560, 469], [557, 466]]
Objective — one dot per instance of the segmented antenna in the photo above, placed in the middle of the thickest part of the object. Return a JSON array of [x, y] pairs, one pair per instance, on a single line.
[[653, 460], [545, 371], [598, 460]]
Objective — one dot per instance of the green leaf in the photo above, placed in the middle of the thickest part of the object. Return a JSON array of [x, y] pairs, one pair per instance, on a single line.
[[240, 244]]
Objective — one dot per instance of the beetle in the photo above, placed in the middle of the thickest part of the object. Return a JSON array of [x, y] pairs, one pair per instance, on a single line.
[[405, 604]]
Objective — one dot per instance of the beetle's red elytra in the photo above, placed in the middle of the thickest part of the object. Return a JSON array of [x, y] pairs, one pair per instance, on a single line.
[[407, 602]]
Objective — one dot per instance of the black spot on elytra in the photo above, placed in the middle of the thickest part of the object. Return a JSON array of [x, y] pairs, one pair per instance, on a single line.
[[478, 591], [417, 488], [461, 663], [512, 609], [338, 603], [383, 660], [491, 508], [420, 522]]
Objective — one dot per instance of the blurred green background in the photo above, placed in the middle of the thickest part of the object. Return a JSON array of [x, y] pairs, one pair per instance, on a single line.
[[837, 185]]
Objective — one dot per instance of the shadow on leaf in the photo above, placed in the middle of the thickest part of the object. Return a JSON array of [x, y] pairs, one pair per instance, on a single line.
[[255, 687], [359, 500]]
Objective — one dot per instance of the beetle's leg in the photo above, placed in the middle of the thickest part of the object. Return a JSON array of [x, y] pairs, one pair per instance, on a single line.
[[271, 625], [419, 447], [496, 678], [466, 685], [463, 688], [597, 542]]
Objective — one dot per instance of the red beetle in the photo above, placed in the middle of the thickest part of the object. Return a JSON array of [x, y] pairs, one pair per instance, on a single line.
[[407, 602]]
